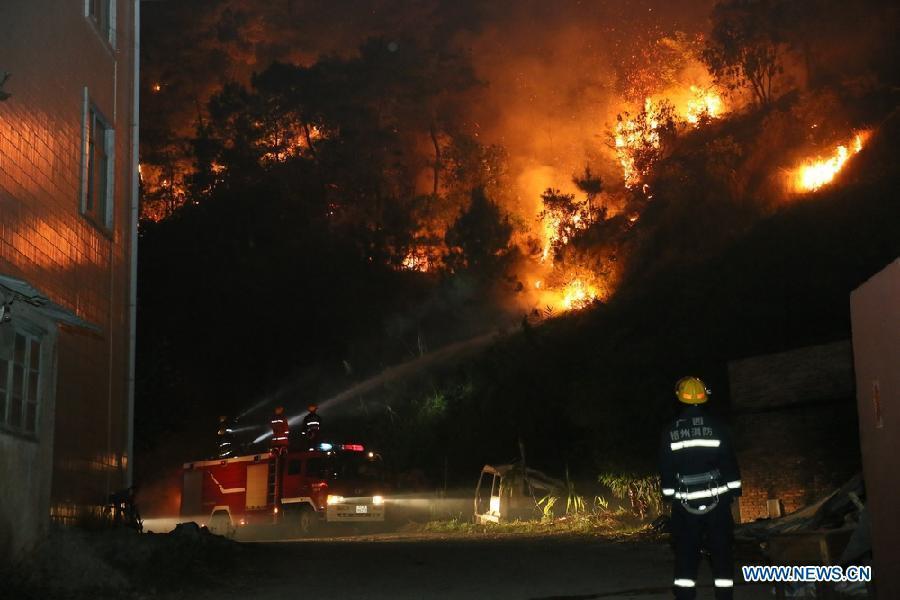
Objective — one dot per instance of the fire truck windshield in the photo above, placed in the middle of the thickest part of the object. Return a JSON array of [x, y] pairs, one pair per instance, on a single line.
[[349, 466]]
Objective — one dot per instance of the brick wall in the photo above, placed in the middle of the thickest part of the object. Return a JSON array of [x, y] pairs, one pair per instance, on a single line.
[[794, 455], [795, 426], [53, 52]]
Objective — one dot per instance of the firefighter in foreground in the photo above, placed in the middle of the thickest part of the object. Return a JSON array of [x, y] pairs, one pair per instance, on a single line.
[[699, 475]]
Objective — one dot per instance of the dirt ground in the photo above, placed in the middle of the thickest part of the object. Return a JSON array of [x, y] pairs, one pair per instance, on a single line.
[[437, 566]]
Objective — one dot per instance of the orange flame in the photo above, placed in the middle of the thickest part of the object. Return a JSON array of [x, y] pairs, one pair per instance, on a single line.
[[416, 261], [704, 104], [630, 136], [578, 294], [568, 289], [813, 174]]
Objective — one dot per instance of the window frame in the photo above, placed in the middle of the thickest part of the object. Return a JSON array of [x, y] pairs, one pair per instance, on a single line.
[[101, 216], [30, 336], [105, 27]]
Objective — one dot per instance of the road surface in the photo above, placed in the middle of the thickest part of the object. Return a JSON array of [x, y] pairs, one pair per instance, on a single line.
[[441, 567]]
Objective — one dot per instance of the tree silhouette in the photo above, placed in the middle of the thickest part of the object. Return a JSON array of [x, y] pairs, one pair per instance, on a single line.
[[479, 239], [743, 50]]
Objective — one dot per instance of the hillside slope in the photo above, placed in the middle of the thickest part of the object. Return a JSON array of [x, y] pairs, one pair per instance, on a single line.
[[602, 379]]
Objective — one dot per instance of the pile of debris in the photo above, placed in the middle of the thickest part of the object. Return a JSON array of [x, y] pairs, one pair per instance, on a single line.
[[121, 563], [833, 531]]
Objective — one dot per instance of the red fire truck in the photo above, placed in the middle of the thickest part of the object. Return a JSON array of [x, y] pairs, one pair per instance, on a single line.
[[296, 490]]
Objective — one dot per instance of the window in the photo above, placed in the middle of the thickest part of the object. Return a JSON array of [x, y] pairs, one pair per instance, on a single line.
[[97, 168], [20, 375], [351, 466], [103, 14]]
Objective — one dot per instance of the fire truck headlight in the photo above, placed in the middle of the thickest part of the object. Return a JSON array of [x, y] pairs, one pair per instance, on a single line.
[[377, 500], [334, 499]]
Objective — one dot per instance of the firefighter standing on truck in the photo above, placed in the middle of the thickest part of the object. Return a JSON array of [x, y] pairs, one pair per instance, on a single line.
[[699, 475], [225, 436], [280, 431], [311, 424]]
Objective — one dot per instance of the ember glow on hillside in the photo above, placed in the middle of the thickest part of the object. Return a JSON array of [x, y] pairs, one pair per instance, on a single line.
[[815, 173]]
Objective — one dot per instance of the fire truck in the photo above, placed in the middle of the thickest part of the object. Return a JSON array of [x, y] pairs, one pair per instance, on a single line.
[[296, 490]]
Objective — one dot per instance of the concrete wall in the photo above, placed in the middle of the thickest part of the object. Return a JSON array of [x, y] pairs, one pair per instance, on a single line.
[[53, 52], [875, 314], [26, 463], [794, 423]]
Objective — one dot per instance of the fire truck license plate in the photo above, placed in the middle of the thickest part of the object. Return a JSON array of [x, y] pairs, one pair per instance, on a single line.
[[362, 509]]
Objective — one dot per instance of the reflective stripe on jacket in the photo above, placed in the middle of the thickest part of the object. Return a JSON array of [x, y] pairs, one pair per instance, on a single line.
[[696, 444]]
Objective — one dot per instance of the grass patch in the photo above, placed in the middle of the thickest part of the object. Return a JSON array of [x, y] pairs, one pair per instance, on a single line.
[[618, 524]]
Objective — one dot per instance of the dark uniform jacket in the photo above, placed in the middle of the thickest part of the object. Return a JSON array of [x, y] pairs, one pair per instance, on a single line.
[[697, 461], [225, 441], [311, 424]]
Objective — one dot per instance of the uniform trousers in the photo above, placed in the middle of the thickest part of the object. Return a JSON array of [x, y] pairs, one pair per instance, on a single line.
[[713, 531]]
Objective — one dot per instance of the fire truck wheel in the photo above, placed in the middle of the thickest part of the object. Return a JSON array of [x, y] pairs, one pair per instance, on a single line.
[[305, 522]]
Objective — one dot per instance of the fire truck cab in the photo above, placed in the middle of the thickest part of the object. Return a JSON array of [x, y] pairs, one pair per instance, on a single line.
[[296, 490]]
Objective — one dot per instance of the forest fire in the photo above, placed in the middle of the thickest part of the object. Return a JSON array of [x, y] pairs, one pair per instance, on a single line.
[[521, 141], [164, 191], [577, 290], [551, 235], [417, 261], [706, 104], [568, 289], [818, 172], [290, 142], [632, 135], [638, 140], [578, 294]]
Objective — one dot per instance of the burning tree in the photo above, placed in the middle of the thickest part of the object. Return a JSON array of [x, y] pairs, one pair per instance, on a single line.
[[562, 217], [592, 186], [743, 50], [640, 141]]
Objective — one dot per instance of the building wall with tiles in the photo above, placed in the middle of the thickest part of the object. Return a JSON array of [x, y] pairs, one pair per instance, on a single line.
[[54, 52], [795, 426]]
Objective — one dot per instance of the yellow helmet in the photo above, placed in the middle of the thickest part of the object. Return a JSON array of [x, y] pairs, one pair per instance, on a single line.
[[691, 390]]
